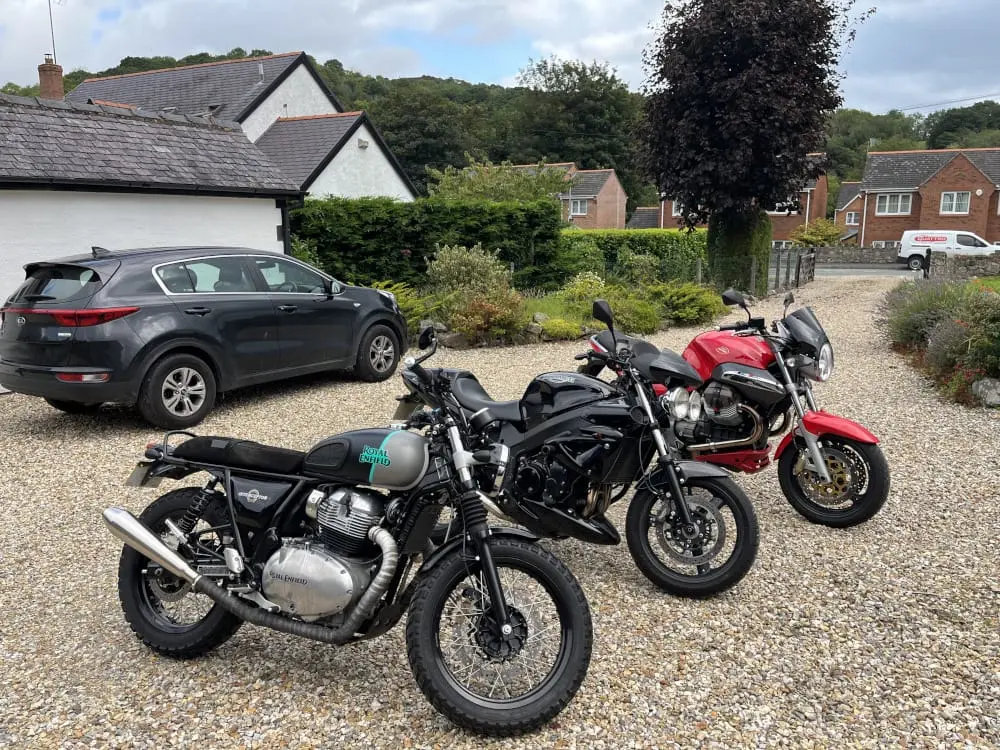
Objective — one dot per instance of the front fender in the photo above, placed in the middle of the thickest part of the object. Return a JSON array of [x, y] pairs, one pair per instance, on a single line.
[[820, 423], [459, 541], [690, 470]]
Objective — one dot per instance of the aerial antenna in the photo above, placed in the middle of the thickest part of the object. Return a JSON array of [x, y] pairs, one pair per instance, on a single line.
[[52, 30]]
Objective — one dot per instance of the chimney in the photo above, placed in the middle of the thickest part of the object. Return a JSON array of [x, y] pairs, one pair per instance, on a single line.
[[50, 79]]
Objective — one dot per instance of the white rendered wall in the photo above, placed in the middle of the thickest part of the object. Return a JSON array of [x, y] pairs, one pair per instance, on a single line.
[[360, 172], [302, 95]]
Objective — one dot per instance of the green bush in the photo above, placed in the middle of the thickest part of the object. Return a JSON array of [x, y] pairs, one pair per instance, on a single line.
[[911, 310], [686, 303], [471, 269], [677, 250], [414, 305], [583, 289], [365, 239], [981, 315], [638, 268], [557, 329], [632, 313], [497, 317], [578, 252], [947, 344]]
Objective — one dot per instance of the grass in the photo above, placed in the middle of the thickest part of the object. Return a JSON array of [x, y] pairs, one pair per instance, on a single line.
[[991, 282]]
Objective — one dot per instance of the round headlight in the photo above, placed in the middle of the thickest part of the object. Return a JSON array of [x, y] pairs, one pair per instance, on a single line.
[[694, 406], [677, 403], [825, 364]]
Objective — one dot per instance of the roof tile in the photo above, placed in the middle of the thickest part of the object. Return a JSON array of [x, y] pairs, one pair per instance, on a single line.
[[301, 144]]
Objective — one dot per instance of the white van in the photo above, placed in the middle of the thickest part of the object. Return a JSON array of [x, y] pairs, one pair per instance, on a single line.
[[915, 244]]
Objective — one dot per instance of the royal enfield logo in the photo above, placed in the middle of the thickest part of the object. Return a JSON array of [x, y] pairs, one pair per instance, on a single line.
[[253, 496], [288, 579], [372, 455]]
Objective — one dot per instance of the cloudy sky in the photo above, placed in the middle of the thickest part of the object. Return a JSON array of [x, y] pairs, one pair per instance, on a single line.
[[913, 53]]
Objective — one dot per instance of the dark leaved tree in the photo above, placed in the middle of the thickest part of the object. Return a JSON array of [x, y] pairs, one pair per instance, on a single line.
[[739, 93]]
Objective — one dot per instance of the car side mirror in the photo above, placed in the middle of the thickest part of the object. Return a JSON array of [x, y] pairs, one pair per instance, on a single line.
[[427, 337], [331, 287]]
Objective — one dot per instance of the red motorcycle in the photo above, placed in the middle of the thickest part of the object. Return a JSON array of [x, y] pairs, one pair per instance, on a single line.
[[757, 384]]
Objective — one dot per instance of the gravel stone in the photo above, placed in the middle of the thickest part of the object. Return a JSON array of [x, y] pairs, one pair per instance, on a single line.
[[880, 635]]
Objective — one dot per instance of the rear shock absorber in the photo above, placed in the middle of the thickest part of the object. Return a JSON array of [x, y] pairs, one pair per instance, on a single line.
[[197, 508]]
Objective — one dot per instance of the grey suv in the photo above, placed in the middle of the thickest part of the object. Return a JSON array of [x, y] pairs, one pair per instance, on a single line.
[[169, 328]]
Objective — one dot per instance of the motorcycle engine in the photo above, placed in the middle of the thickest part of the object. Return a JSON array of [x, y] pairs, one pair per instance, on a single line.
[[542, 478], [322, 576], [721, 405]]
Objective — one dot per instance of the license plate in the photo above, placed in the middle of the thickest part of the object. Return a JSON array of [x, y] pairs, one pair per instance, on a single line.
[[140, 477]]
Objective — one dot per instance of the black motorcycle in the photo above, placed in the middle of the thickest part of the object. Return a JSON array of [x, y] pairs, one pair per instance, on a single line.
[[323, 544], [573, 445]]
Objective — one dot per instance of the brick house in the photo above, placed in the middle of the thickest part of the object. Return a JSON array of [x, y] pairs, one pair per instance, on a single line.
[[812, 205], [847, 214], [594, 198], [942, 189]]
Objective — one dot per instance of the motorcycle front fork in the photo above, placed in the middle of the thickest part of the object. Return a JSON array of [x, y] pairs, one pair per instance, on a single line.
[[816, 461]]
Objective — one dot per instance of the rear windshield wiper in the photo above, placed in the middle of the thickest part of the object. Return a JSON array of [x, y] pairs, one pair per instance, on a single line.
[[38, 297]]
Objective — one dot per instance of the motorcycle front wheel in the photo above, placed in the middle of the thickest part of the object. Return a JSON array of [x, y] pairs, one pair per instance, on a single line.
[[479, 677], [858, 491], [710, 558]]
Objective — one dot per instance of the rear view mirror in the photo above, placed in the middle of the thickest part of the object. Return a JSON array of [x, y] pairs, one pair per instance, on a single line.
[[602, 312], [427, 337], [732, 297], [789, 299]]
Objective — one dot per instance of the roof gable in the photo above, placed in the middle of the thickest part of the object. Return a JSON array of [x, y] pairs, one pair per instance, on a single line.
[[228, 89], [908, 170], [848, 192], [304, 146], [54, 143], [588, 183]]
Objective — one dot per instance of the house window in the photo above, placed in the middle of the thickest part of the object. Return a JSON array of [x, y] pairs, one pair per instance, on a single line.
[[955, 202], [578, 207], [893, 204], [853, 218], [677, 211], [781, 244]]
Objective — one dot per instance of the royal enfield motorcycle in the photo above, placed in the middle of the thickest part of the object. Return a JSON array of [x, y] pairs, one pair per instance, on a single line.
[[333, 545], [573, 445], [757, 384]]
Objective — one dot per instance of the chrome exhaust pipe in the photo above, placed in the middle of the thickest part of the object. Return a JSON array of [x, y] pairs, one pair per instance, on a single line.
[[758, 431], [137, 535]]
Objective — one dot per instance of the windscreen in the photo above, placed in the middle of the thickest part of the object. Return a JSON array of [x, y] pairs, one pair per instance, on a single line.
[[57, 283]]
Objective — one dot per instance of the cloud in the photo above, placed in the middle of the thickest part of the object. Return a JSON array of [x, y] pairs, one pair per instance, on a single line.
[[912, 52]]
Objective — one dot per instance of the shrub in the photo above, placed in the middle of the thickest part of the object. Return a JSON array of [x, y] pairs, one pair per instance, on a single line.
[[911, 310], [686, 302], [583, 289], [947, 344], [981, 315], [678, 250], [632, 314], [638, 268], [305, 250], [557, 329], [470, 269], [578, 252], [414, 305], [817, 233], [492, 318]]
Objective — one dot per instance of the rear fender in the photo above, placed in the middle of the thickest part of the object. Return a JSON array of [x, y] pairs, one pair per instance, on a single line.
[[460, 541], [820, 423]]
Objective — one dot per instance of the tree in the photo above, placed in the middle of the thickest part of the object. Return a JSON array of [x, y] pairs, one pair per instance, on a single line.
[[817, 233], [496, 182], [739, 94], [949, 127]]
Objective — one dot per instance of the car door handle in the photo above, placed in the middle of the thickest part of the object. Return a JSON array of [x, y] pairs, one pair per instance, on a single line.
[[288, 308], [201, 311]]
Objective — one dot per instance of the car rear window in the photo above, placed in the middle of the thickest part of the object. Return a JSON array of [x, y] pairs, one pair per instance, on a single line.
[[59, 283]]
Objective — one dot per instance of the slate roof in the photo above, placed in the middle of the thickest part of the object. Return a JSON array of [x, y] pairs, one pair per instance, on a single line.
[[848, 192], [562, 166], [645, 218], [228, 89], [69, 144], [304, 146], [587, 183], [908, 170]]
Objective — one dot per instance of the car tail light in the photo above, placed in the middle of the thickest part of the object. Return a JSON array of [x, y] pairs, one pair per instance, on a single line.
[[83, 377], [76, 318]]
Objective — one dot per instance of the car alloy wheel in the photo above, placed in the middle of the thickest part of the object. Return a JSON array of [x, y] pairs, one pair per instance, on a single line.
[[382, 353], [183, 391]]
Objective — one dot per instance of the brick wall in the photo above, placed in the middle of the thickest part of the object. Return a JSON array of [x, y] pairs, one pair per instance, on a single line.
[[606, 211], [854, 254], [945, 266], [890, 227], [819, 198], [959, 174], [840, 217]]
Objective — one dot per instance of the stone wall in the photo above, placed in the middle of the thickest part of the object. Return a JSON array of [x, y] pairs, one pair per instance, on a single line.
[[853, 254], [945, 266]]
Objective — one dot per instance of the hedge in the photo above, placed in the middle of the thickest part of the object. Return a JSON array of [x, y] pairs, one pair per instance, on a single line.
[[363, 240], [678, 250]]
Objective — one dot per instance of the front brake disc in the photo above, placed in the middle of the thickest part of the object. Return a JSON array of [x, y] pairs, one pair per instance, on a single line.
[[711, 528]]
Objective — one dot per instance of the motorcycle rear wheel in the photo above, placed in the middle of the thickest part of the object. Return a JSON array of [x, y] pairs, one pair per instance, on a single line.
[[642, 522], [859, 490], [480, 679]]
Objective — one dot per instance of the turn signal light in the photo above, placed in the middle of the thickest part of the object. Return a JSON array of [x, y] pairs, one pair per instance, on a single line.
[[83, 377]]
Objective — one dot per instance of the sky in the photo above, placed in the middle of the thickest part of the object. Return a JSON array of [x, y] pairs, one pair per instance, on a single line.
[[912, 54]]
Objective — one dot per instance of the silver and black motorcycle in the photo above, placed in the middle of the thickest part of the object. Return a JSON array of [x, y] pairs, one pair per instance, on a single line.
[[573, 445], [334, 545]]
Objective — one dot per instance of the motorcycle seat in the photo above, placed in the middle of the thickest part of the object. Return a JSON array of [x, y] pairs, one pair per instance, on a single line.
[[473, 397], [240, 454]]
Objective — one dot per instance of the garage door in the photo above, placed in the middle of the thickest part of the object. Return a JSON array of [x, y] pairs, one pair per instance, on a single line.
[[38, 225]]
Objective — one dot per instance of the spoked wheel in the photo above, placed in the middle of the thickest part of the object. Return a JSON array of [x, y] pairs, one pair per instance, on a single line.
[[859, 486], [162, 610], [488, 679], [705, 558]]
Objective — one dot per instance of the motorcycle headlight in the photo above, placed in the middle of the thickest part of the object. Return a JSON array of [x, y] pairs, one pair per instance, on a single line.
[[677, 403], [825, 365], [694, 406]]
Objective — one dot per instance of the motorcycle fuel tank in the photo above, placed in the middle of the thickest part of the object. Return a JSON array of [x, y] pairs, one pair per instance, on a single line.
[[713, 348], [555, 392], [390, 459]]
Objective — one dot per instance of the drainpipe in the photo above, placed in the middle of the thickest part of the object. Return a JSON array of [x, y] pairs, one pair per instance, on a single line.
[[864, 221], [809, 196]]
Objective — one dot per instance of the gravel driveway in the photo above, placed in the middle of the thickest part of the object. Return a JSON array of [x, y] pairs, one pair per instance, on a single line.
[[888, 633]]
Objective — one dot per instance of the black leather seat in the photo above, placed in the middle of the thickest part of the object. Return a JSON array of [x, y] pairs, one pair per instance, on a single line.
[[473, 397], [240, 454]]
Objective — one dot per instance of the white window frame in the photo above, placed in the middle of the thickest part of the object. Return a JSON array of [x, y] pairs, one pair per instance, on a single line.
[[572, 206], [675, 210], [953, 194], [857, 219], [878, 244], [782, 244], [880, 211]]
